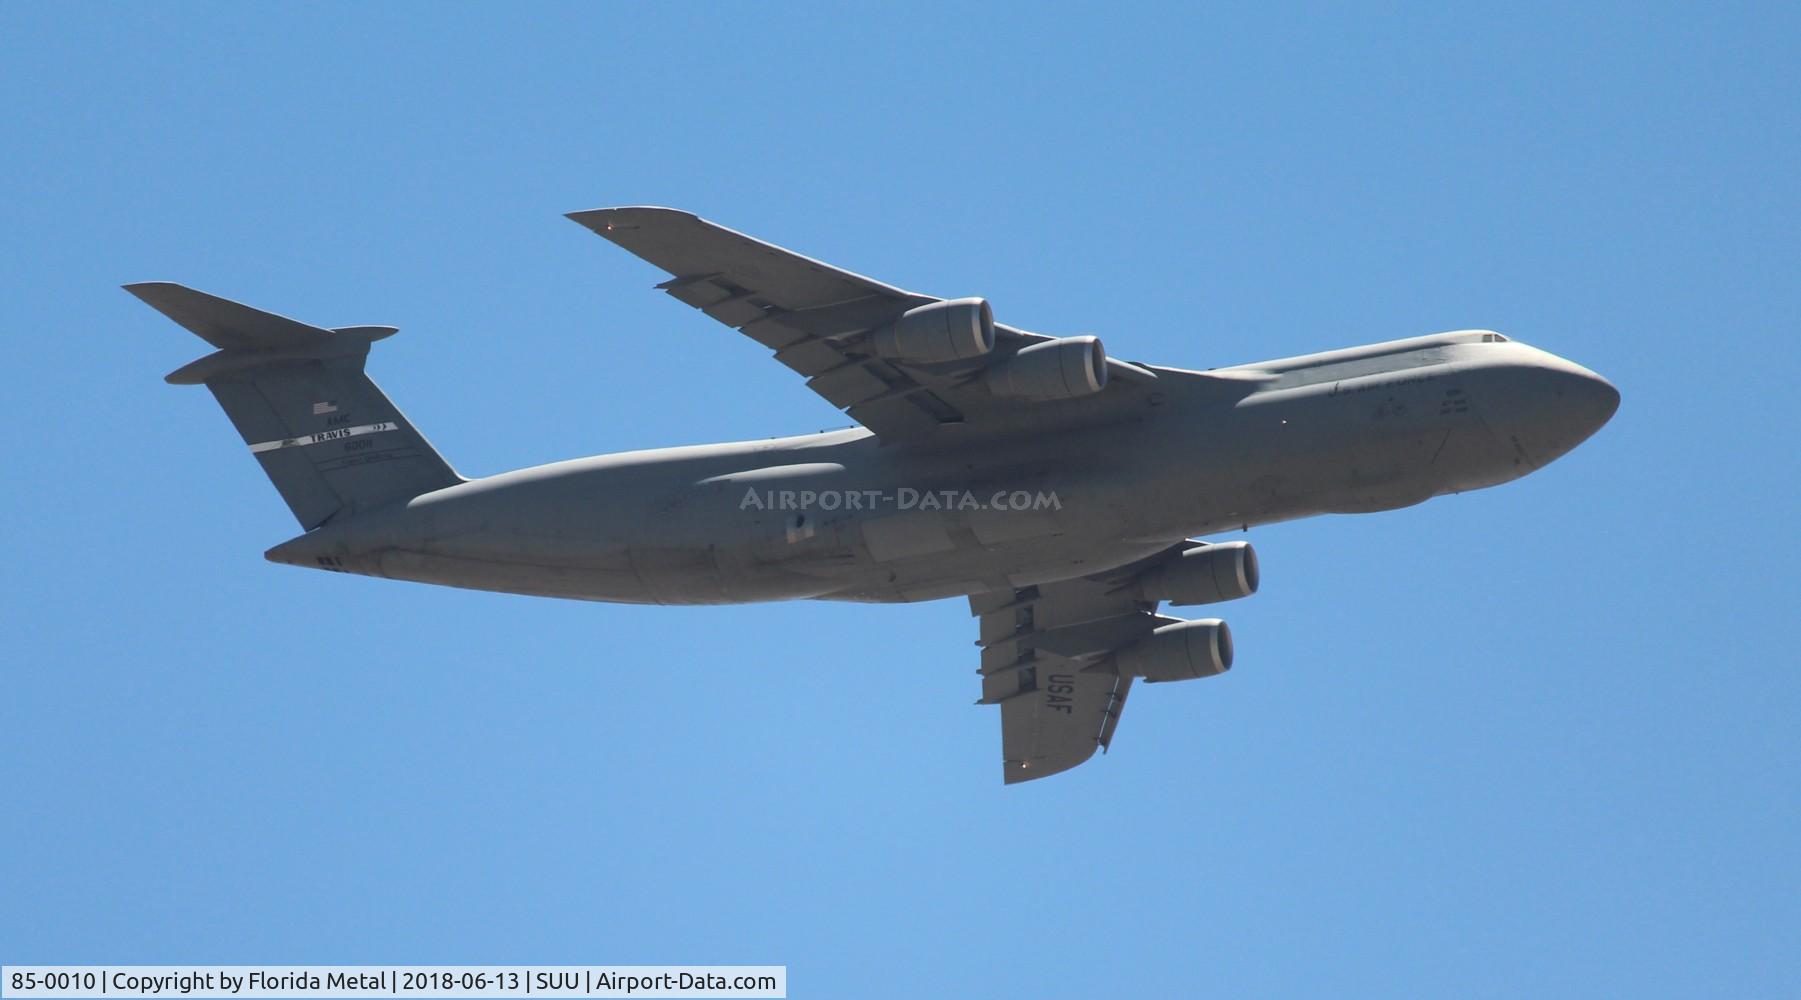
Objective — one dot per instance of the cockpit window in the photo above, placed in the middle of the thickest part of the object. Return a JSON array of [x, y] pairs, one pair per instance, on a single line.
[[1493, 338]]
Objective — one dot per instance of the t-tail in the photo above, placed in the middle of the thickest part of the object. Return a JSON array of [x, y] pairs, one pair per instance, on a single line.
[[330, 441]]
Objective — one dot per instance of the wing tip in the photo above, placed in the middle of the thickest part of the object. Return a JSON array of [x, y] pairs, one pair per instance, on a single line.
[[1016, 771], [602, 220], [145, 289]]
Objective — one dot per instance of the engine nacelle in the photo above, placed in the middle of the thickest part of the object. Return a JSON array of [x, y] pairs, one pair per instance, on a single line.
[[1066, 368], [1205, 575], [1179, 652], [954, 330]]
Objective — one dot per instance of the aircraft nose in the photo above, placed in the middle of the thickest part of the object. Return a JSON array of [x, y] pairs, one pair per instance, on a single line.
[[1596, 400], [1571, 403]]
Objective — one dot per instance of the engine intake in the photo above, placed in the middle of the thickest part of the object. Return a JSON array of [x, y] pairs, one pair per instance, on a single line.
[[1179, 652], [1066, 368], [1204, 575], [953, 330]]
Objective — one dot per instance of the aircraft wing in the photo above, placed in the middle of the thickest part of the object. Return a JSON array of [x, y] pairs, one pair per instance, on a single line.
[[812, 315], [1046, 662]]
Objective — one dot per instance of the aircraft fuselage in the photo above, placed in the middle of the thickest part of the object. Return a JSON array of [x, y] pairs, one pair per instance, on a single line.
[[837, 516]]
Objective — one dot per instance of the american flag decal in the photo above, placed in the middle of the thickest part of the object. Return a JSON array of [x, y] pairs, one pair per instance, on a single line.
[[321, 409]]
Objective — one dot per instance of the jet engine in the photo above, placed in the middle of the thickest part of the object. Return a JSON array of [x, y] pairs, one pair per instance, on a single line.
[[1065, 368], [1179, 652], [954, 330], [1204, 575]]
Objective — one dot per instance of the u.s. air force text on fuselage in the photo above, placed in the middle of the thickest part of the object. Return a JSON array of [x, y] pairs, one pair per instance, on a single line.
[[1087, 477]]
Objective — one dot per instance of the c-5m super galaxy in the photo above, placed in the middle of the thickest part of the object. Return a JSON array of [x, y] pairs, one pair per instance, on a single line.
[[1057, 488]]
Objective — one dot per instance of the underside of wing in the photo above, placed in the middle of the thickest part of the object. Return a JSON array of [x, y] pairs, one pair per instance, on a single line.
[[902, 364], [1059, 659], [1043, 662]]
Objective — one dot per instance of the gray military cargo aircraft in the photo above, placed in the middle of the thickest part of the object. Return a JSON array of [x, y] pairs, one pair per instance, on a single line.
[[1059, 489]]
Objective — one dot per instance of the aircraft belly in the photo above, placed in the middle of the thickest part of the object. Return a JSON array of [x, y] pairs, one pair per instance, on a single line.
[[533, 579]]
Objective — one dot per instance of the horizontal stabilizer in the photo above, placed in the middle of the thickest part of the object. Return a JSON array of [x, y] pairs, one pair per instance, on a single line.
[[246, 337], [223, 323]]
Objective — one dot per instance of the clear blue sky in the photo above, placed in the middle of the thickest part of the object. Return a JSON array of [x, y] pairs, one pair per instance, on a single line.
[[1537, 741]]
